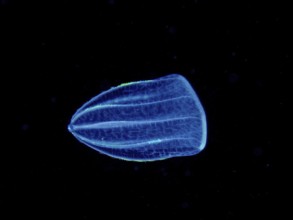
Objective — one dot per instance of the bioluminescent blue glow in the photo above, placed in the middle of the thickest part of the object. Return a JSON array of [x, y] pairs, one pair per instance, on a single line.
[[143, 121]]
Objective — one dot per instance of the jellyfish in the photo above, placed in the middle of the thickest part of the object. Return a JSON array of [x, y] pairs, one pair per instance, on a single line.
[[141, 121]]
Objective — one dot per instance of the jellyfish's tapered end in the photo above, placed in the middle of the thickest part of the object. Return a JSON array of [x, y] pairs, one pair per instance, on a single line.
[[69, 127]]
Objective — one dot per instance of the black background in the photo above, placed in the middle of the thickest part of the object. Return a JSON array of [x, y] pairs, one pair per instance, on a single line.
[[58, 54]]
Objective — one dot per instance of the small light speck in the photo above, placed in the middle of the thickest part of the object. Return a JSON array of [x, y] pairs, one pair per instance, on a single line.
[[135, 168], [171, 29], [187, 173], [185, 205], [257, 152], [111, 2], [24, 127], [233, 78], [3, 2], [77, 66], [53, 100], [163, 171]]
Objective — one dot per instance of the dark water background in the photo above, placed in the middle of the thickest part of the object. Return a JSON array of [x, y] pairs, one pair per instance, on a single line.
[[59, 54]]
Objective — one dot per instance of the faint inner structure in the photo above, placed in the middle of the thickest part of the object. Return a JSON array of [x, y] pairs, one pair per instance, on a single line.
[[143, 121]]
